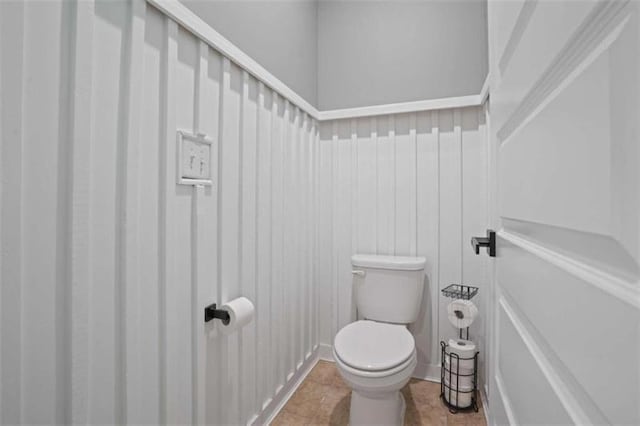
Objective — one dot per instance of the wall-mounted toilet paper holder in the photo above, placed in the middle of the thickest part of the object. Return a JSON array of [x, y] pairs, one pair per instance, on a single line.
[[210, 312]]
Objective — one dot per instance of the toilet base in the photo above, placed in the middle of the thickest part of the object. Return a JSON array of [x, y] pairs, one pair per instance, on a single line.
[[384, 408]]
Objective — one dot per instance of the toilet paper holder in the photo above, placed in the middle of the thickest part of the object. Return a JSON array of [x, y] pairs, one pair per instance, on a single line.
[[211, 312]]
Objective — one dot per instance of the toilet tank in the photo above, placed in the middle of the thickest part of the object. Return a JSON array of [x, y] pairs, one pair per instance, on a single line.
[[388, 288]]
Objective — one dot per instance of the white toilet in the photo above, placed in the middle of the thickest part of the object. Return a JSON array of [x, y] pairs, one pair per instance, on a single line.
[[376, 356]]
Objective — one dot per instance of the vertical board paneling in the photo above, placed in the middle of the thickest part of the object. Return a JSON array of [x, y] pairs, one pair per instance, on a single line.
[[149, 221], [213, 350], [249, 232], [42, 192], [80, 137], [427, 236], [12, 21], [334, 212], [450, 205], [325, 274], [366, 186], [288, 243], [104, 360], [179, 343], [406, 184], [343, 222], [230, 214], [265, 314], [278, 329], [169, 401], [130, 279], [474, 211], [385, 179], [404, 188], [199, 246], [122, 260]]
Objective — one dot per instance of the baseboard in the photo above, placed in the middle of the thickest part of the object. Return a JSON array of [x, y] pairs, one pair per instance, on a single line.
[[273, 407], [429, 372], [485, 405], [325, 352]]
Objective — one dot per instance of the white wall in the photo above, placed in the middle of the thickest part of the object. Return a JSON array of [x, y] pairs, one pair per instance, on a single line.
[[404, 184], [380, 52], [107, 264], [280, 35]]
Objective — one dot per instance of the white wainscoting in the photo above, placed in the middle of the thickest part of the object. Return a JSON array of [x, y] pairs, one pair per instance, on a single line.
[[107, 264], [403, 184]]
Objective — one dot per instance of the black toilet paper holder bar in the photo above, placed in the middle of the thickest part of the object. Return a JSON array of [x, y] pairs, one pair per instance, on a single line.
[[211, 312]]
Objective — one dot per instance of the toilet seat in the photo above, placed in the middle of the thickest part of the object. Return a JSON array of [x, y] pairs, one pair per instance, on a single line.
[[374, 349], [400, 368]]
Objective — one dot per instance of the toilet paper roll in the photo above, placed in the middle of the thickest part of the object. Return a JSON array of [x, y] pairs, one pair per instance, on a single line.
[[465, 350], [462, 313], [241, 312]]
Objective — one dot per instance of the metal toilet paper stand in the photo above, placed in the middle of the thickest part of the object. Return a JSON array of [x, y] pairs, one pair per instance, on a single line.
[[451, 394]]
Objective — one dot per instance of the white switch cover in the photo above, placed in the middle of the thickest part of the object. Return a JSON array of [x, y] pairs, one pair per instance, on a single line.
[[194, 159]]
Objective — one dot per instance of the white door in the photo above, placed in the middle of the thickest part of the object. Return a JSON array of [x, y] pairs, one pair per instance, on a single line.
[[565, 137]]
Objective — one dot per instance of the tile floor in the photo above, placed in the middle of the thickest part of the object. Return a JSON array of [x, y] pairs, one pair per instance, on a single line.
[[323, 399]]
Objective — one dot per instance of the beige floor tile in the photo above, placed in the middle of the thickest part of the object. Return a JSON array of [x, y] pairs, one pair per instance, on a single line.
[[334, 405], [305, 400], [324, 399], [325, 373], [285, 418]]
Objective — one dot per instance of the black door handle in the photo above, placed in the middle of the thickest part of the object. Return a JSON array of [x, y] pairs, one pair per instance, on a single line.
[[489, 242]]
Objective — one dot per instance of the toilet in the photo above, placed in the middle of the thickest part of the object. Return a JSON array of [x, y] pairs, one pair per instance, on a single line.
[[376, 354]]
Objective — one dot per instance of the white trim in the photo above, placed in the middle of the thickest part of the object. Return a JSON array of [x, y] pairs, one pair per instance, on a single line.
[[285, 392], [484, 92], [625, 291], [189, 20], [560, 388], [428, 372], [325, 352], [485, 404], [403, 107], [506, 402]]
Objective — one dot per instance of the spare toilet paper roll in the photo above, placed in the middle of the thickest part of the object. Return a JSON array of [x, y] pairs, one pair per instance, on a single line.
[[462, 313], [461, 397], [241, 312], [462, 381], [465, 350]]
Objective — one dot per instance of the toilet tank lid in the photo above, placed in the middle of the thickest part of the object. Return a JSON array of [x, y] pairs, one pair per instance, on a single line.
[[398, 263]]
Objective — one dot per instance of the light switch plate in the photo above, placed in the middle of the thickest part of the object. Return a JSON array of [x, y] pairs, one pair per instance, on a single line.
[[195, 154]]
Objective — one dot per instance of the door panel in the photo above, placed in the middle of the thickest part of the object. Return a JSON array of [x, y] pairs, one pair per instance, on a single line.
[[517, 369], [565, 96]]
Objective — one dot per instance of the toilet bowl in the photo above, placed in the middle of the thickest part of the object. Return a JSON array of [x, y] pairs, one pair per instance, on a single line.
[[376, 360]]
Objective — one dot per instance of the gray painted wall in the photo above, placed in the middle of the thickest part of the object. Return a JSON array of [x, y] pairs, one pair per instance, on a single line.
[[378, 52], [280, 35], [341, 54]]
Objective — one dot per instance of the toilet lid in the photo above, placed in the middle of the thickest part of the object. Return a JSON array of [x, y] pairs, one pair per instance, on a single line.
[[373, 346]]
